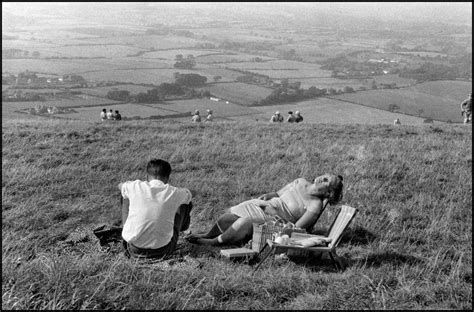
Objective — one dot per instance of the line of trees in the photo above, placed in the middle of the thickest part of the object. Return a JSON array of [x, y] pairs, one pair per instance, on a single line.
[[284, 95]]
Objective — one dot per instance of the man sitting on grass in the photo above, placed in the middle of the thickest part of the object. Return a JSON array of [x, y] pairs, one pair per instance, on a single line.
[[153, 213]]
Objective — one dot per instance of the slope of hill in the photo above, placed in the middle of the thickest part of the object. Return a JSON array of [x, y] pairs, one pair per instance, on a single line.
[[410, 246]]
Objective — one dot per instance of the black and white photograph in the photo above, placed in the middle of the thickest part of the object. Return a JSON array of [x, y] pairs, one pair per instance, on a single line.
[[237, 155]]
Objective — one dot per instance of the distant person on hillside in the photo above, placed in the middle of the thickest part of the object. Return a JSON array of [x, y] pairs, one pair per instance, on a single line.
[[196, 117], [298, 117], [117, 115], [153, 213], [291, 117], [103, 115], [397, 122], [276, 117], [299, 202], [110, 115], [209, 116], [466, 109]]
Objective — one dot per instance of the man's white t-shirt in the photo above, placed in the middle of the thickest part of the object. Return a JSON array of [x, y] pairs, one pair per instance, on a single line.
[[152, 209], [109, 115]]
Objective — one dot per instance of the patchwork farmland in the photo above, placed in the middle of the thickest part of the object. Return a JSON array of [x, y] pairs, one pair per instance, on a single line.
[[138, 61]]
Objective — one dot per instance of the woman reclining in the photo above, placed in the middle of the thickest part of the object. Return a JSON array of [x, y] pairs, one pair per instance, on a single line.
[[299, 202]]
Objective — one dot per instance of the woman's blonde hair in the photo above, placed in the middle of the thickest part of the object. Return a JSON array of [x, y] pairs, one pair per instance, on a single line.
[[335, 195]]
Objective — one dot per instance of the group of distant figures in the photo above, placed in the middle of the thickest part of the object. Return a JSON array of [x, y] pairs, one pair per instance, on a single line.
[[110, 115], [292, 117], [197, 116]]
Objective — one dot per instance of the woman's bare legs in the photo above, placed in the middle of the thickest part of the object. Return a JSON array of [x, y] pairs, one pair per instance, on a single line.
[[234, 234], [222, 224], [213, 232]]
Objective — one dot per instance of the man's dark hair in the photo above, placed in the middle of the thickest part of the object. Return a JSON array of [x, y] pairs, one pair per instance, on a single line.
[[158, 168]]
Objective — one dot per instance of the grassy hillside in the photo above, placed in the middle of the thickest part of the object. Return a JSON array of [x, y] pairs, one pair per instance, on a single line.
[[408, 248]]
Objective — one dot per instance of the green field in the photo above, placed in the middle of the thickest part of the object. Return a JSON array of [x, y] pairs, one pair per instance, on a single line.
[[318, 111], [126, 110], [327, 83], [239, 93], [140, 76], [220, 109], [391, 78], [423, 99], [452, 90], [102, 91], [151, 41], [229, 58], [28, 45], [409, 247], [238, 34], [213, 70], [282, 69], [107, 51], [169, 110], [331, 111], [11, 109], [171, 54], [53, 66]]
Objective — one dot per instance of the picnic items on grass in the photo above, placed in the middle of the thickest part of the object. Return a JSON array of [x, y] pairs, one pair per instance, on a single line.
[[238, 252], [313, 241], [330, 241], [271, 230]]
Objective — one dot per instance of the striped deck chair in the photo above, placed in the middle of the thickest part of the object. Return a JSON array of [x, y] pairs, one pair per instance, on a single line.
[[341, 222]]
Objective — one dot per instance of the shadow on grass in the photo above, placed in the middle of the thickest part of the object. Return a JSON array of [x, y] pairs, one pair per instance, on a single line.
[[323, 263], [356, 235], [320, 263], [387, 257]]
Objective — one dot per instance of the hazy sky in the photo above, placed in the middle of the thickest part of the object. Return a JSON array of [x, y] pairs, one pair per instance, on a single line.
[[460, 12]]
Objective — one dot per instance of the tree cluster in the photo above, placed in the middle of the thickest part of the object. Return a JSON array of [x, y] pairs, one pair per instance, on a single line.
[[185, 63], [286, 95]]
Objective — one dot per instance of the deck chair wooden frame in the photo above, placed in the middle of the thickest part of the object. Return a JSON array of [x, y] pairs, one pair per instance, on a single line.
[[343, 219]]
